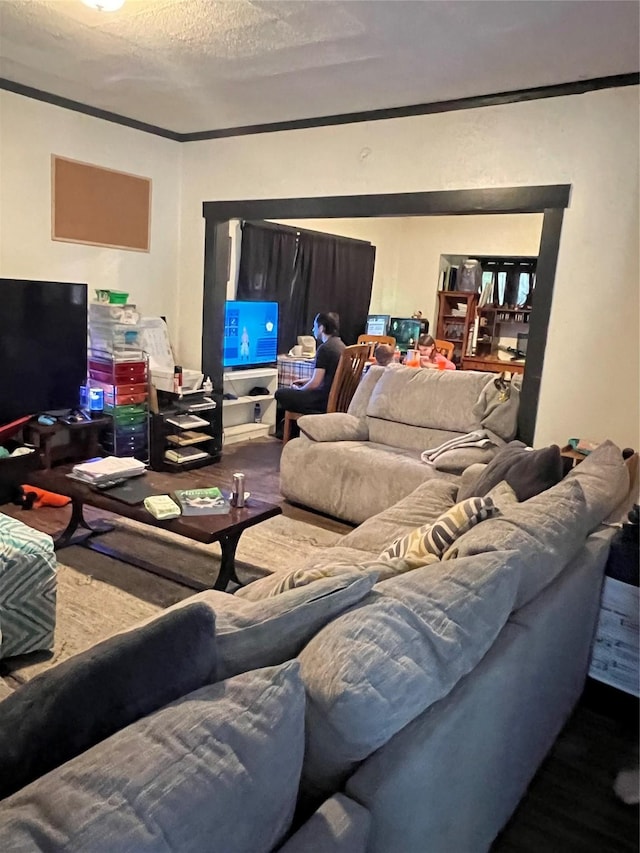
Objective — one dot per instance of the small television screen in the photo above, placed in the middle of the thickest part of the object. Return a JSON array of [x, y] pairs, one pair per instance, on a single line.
[[377, 324], [250, 333], [406, 331], [43, 346]]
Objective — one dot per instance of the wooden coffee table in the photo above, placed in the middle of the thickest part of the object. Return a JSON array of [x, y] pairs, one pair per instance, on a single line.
[[225, 529]]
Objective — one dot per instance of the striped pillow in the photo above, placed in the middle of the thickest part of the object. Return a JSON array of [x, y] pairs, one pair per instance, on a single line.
[[430, 541]]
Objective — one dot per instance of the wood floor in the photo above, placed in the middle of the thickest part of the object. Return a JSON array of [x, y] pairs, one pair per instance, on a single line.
[[570, 806]]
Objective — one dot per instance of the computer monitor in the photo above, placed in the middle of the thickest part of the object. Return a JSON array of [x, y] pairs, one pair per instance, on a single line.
[[377, 324], [406, 331]]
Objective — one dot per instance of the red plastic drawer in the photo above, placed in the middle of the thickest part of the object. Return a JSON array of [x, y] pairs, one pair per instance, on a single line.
[[118, 399], [125, 371]]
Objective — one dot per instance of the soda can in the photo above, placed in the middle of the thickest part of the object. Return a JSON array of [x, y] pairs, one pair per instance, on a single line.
[[237, 496]]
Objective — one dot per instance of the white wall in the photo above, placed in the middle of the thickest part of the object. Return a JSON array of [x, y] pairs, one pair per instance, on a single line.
[[30, 131], [408, 251], [590, 384]]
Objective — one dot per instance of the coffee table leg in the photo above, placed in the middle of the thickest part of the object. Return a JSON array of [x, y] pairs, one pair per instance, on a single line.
[[228, 545], [78, 520]]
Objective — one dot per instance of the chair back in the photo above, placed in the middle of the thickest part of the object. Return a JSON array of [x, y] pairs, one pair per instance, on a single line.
[[445, 348], [372, 341], [347, 377]]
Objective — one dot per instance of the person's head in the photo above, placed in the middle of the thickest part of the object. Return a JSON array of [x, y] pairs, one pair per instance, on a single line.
[[427, 347], [325, 324], [383, 354]]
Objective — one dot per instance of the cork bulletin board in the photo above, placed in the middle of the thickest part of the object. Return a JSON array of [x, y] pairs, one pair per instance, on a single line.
[[99, 207]]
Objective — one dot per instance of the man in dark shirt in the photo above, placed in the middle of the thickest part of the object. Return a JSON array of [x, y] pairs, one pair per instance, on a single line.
[[311, 396]]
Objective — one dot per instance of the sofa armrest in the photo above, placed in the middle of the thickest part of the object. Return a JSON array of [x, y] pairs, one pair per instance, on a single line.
[[334, 426], [340, 824]]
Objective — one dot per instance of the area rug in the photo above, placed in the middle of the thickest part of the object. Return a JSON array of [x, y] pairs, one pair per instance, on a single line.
[[90, 610]]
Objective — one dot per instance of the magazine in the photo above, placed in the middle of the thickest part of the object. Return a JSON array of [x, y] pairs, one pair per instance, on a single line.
[[202, 501]]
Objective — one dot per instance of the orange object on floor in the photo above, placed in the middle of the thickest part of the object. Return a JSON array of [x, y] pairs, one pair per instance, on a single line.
[[45, 498]]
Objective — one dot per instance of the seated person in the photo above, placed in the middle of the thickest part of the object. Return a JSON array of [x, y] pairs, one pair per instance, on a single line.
[[430, 357], [311, 396], [383, 354]]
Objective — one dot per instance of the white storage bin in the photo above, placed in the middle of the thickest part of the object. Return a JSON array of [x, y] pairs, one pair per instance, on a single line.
[[101, 312], [163, 379]]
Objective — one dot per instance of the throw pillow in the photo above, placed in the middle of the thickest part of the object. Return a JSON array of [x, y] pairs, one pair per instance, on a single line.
[[546, 532], [81, 701], [217, 770], [503, 496], [428, 543], [252, 634], [527, 471]]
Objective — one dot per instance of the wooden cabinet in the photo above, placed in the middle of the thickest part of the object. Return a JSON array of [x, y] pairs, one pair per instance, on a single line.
[[456, 313], [498, 322]]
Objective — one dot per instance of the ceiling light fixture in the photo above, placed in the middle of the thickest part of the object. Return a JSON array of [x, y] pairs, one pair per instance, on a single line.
[[104, 5]]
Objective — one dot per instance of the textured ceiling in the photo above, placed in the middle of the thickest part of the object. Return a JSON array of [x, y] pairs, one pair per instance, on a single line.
[[194, 65]]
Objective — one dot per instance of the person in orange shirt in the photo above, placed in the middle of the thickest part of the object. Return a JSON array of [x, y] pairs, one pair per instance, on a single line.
[[430, 357]]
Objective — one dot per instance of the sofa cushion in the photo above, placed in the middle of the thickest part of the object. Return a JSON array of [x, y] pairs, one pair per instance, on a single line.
[[216, 770], [604, 478], [330, 562], [81, 701], [422, 506], [334, 426], [442, 400], [429, 542], [340, 825], [252, 634], [376, 667], [358, 478], [528, 471], [546, 531], [360, 400]]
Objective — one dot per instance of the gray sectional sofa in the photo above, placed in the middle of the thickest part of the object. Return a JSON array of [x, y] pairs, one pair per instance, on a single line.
[[412, 719], [353, 465]]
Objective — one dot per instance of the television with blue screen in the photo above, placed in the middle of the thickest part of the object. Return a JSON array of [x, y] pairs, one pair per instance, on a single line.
[[377, 324], [250, 334]]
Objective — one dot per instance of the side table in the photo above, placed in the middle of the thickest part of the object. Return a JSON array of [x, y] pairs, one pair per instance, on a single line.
[[65, 441]]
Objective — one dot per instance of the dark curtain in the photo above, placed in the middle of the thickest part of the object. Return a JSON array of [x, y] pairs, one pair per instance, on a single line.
[[267, 270], [333, 274]]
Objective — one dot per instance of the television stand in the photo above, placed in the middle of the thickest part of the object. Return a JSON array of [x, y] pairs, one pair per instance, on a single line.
[[65, 441], [238, 411]]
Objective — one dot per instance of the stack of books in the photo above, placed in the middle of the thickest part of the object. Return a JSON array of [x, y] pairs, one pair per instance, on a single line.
[[184, 454], [98, 471]]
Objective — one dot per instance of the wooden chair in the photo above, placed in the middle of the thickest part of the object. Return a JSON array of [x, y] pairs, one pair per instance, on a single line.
[[343, 387], [445, 348], [372, 341]]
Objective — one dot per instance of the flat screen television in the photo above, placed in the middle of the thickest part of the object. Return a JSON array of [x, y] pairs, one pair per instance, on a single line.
[[406, 331], [43, 346], [377, 324], [250, 334]]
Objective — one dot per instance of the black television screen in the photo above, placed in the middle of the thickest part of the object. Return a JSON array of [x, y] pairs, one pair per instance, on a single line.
[[250, 333], [406, 331], [43, 346]]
